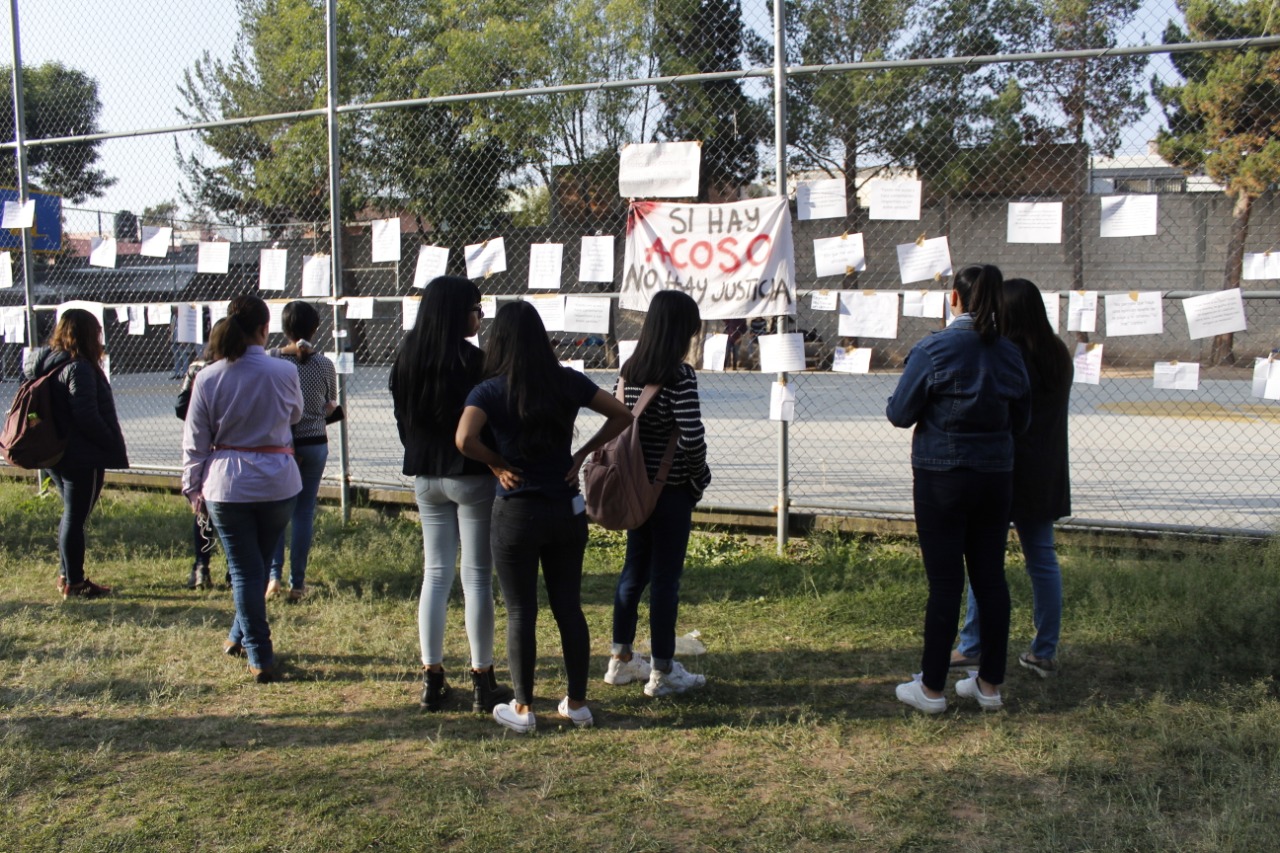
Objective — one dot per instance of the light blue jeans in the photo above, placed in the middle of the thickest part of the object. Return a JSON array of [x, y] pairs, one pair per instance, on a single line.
[[1046, 594], [456, 511], [311, 459]]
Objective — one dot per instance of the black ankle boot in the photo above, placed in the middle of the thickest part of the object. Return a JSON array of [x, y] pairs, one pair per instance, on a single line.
[[434, 690], [486, 692]]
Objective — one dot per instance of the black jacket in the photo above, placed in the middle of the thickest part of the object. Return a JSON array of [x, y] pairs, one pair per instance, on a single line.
[[429, 448], [1041, 480], [85, 410]]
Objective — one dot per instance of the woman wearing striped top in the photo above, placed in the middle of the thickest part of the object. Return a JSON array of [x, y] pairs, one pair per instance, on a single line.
[[656, 549]]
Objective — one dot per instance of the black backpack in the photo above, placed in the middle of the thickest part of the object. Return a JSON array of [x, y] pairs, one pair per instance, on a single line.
[[31, 437]]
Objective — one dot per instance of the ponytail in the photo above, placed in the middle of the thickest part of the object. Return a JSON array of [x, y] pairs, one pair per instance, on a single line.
[[980, 287], [245, 315]]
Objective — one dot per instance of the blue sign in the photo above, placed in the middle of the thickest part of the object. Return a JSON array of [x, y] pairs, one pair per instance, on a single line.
[[46, 236]]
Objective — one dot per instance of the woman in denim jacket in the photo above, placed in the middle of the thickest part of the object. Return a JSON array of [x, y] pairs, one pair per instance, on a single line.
[[965, 389]]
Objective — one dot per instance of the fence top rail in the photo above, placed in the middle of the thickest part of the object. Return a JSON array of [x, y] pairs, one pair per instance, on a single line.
[[1264, 42]]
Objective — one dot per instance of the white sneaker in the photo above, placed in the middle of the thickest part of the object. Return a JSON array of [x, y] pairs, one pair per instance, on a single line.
[[507, 715], [912, 693], [626, 671], [678, 680], [580, 717], [968, 688]]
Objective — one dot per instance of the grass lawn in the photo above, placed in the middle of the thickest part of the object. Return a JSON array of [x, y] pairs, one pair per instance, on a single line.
[[123, 727]]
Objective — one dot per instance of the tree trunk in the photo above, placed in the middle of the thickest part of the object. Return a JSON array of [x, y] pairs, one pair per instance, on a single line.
[[1221, 353]]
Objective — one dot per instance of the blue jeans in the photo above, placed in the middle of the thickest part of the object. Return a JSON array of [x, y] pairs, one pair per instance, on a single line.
[[1046, 593], [80, 488], [655, 558], [311, 459], [249, 533], [456, 511], [962, 519]]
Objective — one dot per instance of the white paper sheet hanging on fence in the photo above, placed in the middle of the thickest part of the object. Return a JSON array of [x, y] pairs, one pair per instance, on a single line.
[[715, 349], [359, 307], [122, 313], [275, 324], [1034, 222], [155, 241], [272, 264], [659, 170], [1259, 266], [102, 252], [213, 258], [409, 311], [824, 300], [159, 314], [137, 320], [1176, 375], [1214, 313], [1261, 369], [821, 199], [898, 199], [433, 262], [385, 246], [577, 364], [735, 260], [217, 311], [485, 259], [343, 362], [924, 303], [852, 360], [782, 353], [6, 270], [489, 307], [13, 324], [782, 402], [315, 275], [1272, 389], [18, 215], [1129, 215], [1134, 313], [924, 260], [546, 265], [626, 349], [1052, 306], [1082, 311], [587, 314], [550, 308], [1088, 364], [596, 262], [190, 326], [839, 255], [868, 314]]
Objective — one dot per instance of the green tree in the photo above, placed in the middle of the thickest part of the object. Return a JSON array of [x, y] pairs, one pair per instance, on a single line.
[[162, 213], [1224, 119], [59, 101]]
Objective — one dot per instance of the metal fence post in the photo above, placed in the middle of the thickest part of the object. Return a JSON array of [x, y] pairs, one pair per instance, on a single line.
[[20, 138], [335, 241], [780, 142]]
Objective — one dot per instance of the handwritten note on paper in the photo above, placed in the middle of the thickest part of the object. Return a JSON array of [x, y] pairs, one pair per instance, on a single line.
[[485, 259], [868, 314], [821, 199], [102, 252], [715, 349], [1272, 389], [159, 314], [315, 275], [852, 360], [626, 349], [1088, 364], [1134, 314], [19, 215], [190, 326], [489, 305], [217, 311], [923, 303], [137, 320], [1260, 265], [596, 263], [895, 199], [1034, 222], [359, 307], [659, 170], [409, 306], [13, 321], [781, 353], [386, 241], [550, 308], [1052, 304], [433, 262], [1177, 375], [824, 300], [1129, 215], [927, 260], [839, 255], [275, 307], [1261, 372], [1214, 313], [6, 270], [1082, 311], [213, 257], [587, 314], [782, 402], [155, 241], [546, 261], [272, 264]]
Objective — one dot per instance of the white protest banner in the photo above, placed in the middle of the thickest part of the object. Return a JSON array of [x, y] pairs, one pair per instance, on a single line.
[[735, 260]]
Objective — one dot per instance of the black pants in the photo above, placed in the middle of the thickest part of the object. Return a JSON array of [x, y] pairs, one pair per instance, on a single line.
[[527, 529], [962, 519], [80, 488]]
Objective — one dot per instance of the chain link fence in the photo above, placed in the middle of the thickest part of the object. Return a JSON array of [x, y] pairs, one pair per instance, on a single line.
[[1066, 143]]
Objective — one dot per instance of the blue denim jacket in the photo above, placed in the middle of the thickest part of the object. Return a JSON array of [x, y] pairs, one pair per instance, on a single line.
[[966, 399]]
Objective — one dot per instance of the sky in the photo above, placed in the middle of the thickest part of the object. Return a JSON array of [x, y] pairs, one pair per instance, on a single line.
[[138, 51]]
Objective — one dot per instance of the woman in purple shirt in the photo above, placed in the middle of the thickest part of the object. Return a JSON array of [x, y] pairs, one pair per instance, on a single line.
[[237, 461]]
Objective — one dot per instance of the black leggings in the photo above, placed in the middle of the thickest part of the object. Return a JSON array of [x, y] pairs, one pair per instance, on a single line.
[[527, 529], [80, 488]]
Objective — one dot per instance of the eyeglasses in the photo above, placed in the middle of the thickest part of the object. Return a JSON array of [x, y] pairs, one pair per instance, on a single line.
[[479, 309]]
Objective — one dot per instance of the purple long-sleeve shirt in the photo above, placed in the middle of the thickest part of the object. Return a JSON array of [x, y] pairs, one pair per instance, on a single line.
[[249, 402]]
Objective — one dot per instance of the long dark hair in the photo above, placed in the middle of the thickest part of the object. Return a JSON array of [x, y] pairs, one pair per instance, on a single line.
[[1026, 324], [78, 334], [520, 352], [436, 367], [982, 297], [245, 315], [668, 332]]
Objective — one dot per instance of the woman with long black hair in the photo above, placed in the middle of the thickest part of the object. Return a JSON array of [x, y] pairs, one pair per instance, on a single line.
[[434, 371], [1041, 479], [530, 403], [656, 549], [966, 391]]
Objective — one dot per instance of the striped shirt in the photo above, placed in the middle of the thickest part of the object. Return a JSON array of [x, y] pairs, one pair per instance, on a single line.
[[675, 408]]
